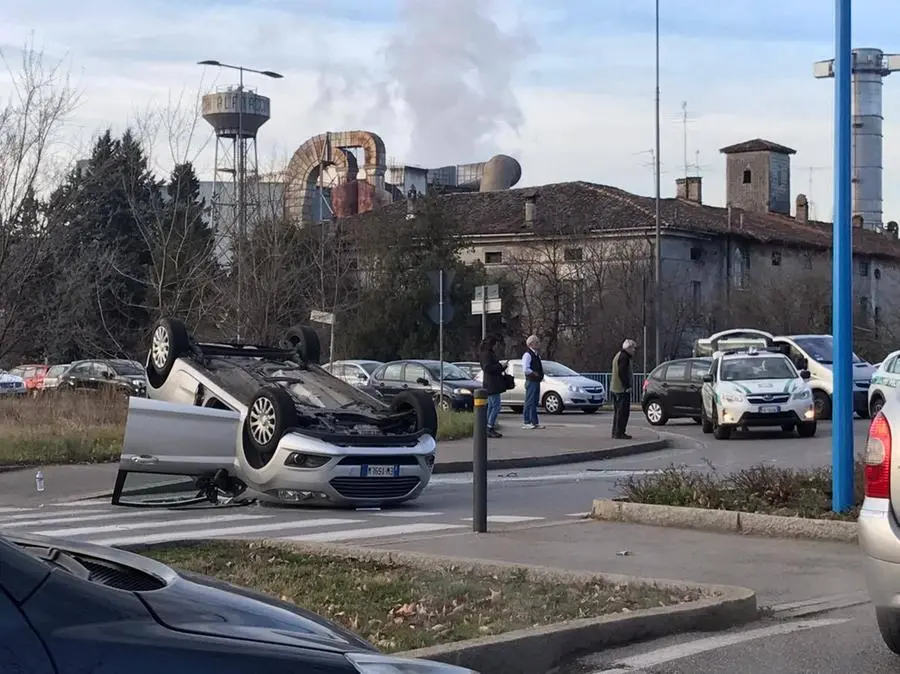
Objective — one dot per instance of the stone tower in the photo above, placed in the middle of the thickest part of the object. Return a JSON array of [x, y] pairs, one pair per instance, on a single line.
[[758, 176]]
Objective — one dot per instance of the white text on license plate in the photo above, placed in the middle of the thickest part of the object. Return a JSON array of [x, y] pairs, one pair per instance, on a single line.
[[769, 409], [380, 471]]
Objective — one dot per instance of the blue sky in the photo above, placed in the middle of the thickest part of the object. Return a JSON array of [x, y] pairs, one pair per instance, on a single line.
[[565, 87]]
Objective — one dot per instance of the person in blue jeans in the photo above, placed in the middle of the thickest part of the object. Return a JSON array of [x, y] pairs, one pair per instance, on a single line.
[[534, 375], [493, 382]]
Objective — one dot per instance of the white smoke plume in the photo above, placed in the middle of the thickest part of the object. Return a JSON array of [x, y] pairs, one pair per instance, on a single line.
[[450, 68]]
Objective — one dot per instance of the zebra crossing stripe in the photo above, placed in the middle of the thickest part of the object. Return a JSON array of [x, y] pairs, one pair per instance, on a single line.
[[376, 532], [81, 531]]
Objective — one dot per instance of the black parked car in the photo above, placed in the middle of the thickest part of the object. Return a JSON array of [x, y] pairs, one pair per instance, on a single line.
[[672, 390], [125, 376], [68, 607], [425, 375]]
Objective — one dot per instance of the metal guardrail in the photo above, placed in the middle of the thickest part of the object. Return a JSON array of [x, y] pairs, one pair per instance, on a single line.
[[637, 383]]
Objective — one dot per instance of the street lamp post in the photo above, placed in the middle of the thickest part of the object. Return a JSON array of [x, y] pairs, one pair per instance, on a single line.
[[657, 255], [842, 315], [240, 161]]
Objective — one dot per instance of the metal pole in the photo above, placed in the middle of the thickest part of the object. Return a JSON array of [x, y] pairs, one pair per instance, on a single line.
[[644, 321], [657, 255], [842, 316], [483, 312], [479, 464], [331, 344], [239, 148], [441, 329]]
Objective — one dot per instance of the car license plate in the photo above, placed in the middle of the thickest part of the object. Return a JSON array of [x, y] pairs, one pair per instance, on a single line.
[[380, 471], [769, 409]]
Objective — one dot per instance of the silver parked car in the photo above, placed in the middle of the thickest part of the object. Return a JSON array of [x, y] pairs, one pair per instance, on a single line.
[[562, 389], [11, 384], [878, 528], [272, 422], [356, 372]]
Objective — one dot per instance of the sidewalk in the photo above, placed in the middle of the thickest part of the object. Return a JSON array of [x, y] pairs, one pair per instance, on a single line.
[[558, 443], [779, 571]]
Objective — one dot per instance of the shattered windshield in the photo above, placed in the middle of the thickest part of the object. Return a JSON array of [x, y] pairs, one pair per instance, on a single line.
[[319, 389]]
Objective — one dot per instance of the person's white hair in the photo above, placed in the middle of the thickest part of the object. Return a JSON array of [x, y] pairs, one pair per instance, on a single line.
[[532, 341], [629, 344]]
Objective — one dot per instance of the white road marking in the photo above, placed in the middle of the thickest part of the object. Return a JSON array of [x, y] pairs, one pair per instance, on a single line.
[[11, 510], [408, 514], [636, 663], [224, 532], [377, 532], [85, 502], [80, 531], [506, 519], [45, 513], [68, 517], [799, 609]]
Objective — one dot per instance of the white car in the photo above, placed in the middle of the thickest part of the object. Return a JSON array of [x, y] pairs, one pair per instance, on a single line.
[[561, 390], [356, 372], [885, 382], [11, 384], [273, 423], [751, 388]]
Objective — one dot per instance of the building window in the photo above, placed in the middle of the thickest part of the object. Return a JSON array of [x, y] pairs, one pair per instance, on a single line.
[[863, 267], [573, 255], [696, 253], [696, 297], [747, 176], [571, 302], [776, 258], [493, 257]]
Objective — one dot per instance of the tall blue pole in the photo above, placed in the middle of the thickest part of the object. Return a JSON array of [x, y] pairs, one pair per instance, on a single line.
[[842, 313]]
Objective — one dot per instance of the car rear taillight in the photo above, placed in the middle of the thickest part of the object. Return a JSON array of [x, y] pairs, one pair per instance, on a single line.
[[878, 458]]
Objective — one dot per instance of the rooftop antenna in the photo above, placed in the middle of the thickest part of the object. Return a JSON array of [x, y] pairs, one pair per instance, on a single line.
[[684, 122]]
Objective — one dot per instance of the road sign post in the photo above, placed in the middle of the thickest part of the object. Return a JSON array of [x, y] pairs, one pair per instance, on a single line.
[[479, 464], [842, 260], [486, 301]]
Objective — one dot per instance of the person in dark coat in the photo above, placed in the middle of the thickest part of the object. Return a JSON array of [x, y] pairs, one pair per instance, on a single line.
[[620, 388], [493, 382]]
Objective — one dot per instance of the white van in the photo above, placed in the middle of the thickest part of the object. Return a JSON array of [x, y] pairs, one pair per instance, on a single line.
[[811, 352]]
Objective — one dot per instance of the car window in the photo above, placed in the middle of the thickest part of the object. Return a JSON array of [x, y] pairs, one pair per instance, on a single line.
[[82, 370], [101, 370], [414, 372], [894, 366], [393, 372], [676, 372], [659, 373], [29, 373], [754, 368], [699, 368]]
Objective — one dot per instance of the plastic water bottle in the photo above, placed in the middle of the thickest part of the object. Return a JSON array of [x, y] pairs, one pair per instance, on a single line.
[[39, 480]]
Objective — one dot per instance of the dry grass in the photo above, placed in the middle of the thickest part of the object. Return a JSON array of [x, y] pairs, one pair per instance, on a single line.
[[83, 428], [398, 607], [71, 428]]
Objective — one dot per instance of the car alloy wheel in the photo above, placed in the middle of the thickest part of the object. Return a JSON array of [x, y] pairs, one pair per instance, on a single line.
[[654, 412], [262, 420], [553, 403], [159, 347]]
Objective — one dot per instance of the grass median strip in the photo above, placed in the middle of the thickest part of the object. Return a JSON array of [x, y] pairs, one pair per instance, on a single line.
[[761, 489], [401, 607], [85, 428]]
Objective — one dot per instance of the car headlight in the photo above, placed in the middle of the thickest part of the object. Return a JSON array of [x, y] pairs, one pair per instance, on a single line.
[[576, 389], [733, 397], [301, 460], [375, 663], [802, 395], [462, 391]]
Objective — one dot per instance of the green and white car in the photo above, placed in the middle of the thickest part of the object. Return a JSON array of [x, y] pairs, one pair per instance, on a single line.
[[752, 388], [885, 382]]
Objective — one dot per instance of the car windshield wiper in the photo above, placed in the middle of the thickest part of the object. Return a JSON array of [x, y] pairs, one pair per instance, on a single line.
[[62, 560]]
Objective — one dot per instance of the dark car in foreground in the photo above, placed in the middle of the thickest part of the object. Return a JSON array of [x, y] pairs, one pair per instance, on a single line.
[[398, 376], [68, 608], [672, 390]]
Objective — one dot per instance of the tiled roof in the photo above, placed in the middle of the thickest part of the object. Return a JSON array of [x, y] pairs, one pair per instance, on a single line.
[[757, 145], [579, 207]]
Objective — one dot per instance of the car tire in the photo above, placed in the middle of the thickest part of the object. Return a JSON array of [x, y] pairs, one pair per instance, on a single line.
[[697, 420], [876, 405], [270, 414], [305, 341], [889, 626], [553, 403], [822, 405], [705, 424], [422, 405], [788, 428], [169, 342], [863, 413], [590, 410], [807, 429], [655, 413], [517, 409], [720, 432]]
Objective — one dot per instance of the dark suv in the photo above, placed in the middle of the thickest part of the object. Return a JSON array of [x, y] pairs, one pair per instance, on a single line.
[[425, 375], [672, 390], [125, 376]]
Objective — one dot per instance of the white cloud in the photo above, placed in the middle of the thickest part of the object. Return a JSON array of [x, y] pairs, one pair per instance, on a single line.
[[587, 103]]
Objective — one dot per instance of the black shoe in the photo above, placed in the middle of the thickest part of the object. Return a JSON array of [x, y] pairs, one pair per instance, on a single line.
[[624, 436], [493, 434]]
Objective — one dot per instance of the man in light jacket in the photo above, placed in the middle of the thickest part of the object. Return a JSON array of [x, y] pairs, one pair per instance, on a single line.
[[534, 375], [620, 388]]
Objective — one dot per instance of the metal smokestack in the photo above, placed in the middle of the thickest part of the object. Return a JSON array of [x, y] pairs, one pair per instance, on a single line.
[[870, 67]]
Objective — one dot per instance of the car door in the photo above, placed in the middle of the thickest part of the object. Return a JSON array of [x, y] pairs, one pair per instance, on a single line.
[[79, 377], [694, 402], [709, 388], [676, 386], [416, 378], [105, 376], [390, 380]]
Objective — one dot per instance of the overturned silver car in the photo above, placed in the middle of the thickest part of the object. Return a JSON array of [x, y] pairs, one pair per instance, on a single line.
[[270, 423]]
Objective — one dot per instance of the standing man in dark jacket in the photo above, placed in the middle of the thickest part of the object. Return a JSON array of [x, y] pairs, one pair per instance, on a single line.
[[493, 382], [620, 388]]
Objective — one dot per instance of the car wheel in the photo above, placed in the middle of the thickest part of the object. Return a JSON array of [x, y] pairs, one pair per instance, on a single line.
[[305, 341], [270, 414], [655, 413], [705, 424], [168, 343], [720, 432], [697, 420], [422, 406], [787, 428], [590, 410], [442, 403], [876, 405], [553, 404], [822, 404], [806, 429], [889, 626]]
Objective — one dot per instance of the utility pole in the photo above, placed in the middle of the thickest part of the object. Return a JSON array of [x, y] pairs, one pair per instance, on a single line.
[[657, 257]]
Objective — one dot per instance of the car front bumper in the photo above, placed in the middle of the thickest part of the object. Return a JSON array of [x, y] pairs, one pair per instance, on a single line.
[[350, 476], [775, 414], [11, 392], [879, 540], [579, 400]]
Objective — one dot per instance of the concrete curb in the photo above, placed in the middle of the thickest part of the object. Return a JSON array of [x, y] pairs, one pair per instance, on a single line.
[[585, 456], [537, 650], [729, 521]]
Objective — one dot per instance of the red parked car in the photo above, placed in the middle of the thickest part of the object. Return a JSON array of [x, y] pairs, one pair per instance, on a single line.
[[33, 376]]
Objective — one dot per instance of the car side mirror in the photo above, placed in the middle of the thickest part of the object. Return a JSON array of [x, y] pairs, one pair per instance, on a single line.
[[707, 379], [422, 381], [804, 374], [361, 377], [107, 374]]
